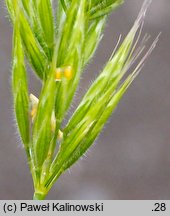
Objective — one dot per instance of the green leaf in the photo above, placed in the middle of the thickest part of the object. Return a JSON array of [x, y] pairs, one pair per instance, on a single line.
[[10, 8], [46, 22], [38, 25], [102, 8], [70, 54], [93, 38], [72, 33], [26, 5], [42, 132], [64, 4], [20, 86], [35, 54]]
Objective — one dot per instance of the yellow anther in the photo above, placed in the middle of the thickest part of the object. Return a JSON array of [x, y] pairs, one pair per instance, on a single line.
[[58, 74], [68, 72]]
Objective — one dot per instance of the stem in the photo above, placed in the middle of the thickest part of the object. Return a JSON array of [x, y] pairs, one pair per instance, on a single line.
[[39, 196]]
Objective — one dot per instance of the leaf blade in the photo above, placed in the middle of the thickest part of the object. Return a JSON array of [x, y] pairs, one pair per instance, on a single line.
[[20, 86], [35, 54]]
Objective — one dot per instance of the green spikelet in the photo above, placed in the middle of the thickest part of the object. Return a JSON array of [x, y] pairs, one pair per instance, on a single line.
[[57, 43]]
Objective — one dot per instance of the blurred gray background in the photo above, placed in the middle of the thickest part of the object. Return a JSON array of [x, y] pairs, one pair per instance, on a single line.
[[131, 158]]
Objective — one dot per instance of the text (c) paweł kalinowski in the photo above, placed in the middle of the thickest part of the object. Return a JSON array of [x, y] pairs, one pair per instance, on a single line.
[[96, 207]]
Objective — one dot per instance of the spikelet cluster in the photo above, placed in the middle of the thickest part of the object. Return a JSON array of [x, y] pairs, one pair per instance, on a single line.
[[58, 43]]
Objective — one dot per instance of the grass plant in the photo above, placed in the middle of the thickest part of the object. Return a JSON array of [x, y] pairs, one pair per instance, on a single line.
[[58, 39]]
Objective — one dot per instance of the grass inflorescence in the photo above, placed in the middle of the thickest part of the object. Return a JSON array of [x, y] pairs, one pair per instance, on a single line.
[[58, 42]]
